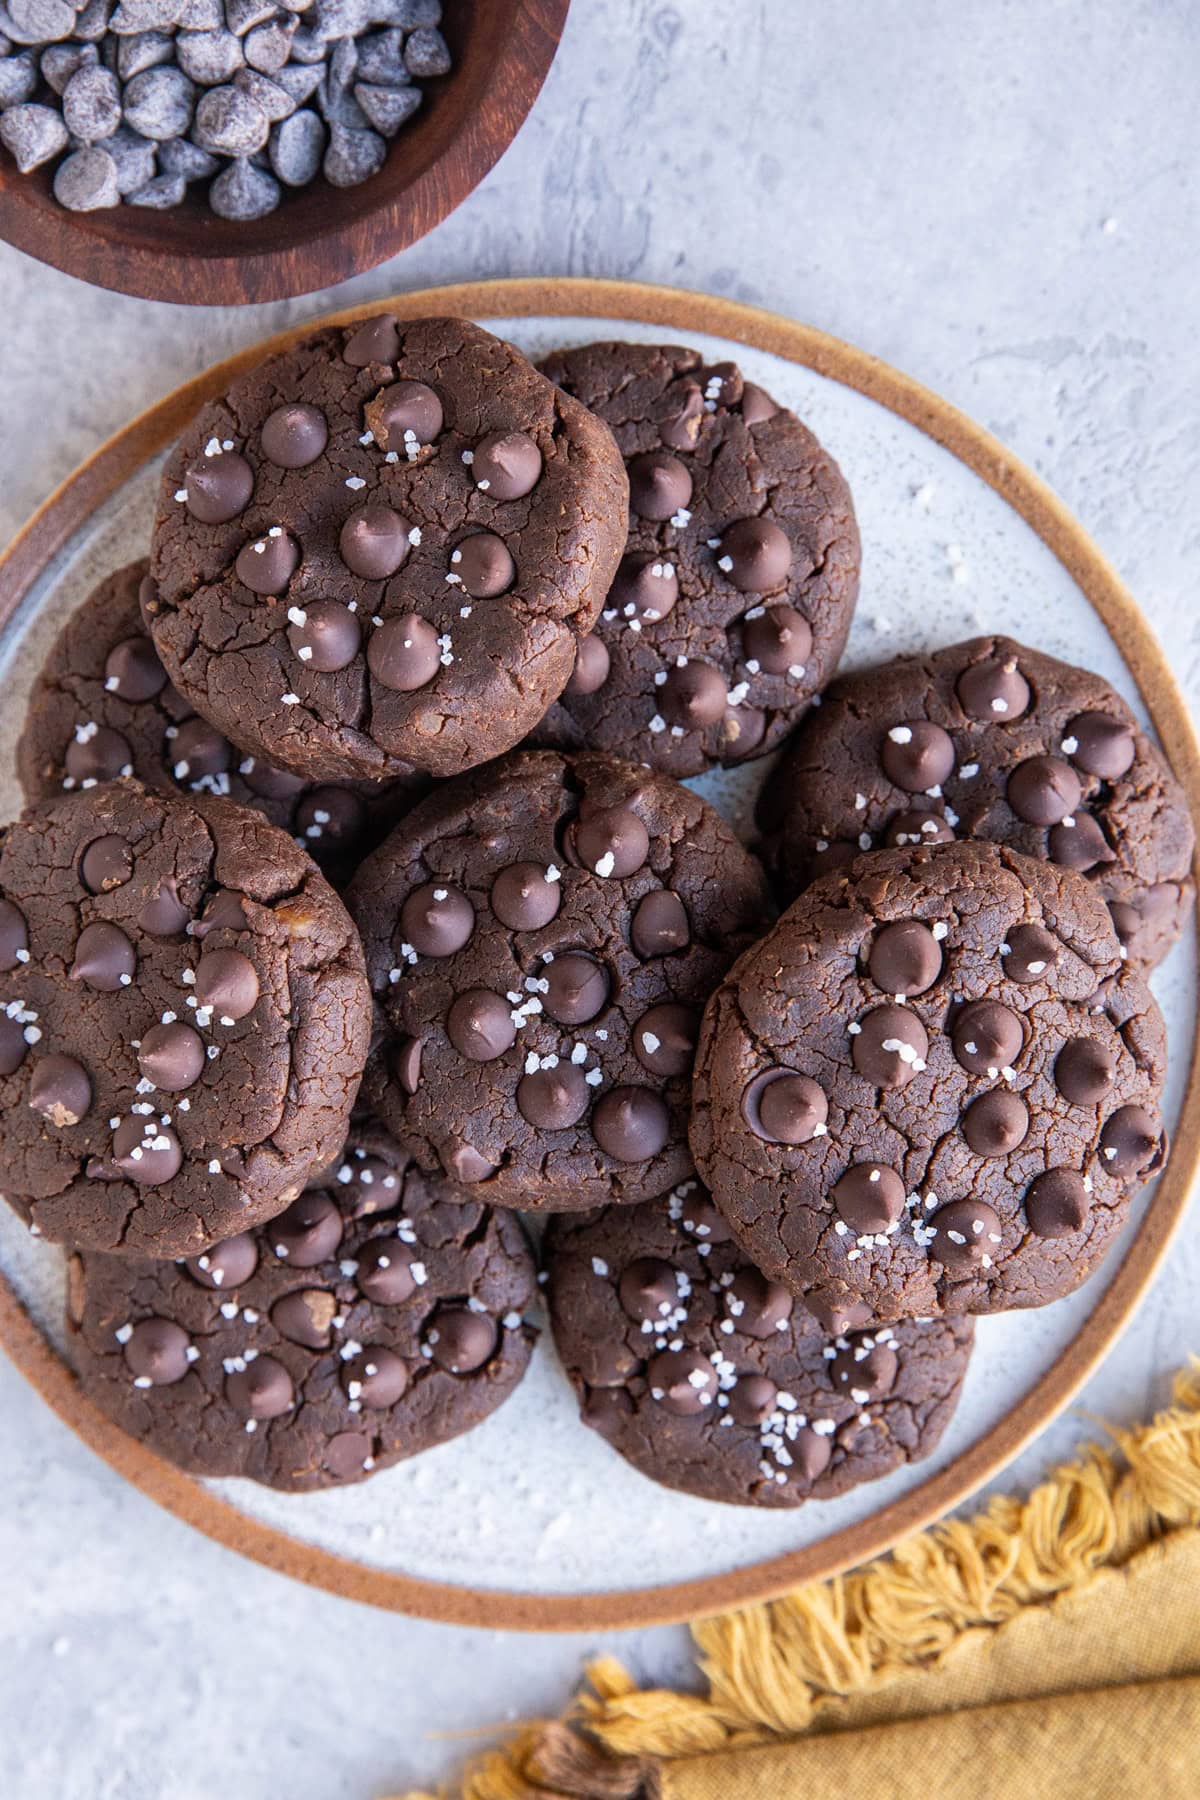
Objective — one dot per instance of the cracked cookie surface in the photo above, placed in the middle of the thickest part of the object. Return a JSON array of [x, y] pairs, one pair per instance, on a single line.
[[184, 1018], [103, 708], [379, 1315], [989, 739], [933, 1086], [380, 549], [710, 1378], [541, 937], [737, 587]]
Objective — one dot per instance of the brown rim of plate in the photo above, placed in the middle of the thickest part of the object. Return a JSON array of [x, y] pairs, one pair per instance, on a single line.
[[681, 313]]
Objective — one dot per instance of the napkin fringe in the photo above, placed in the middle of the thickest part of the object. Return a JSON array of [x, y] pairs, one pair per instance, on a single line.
[[772, 1669]]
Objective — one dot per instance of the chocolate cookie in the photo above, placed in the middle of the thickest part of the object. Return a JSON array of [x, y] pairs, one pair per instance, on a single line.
[[989, 740], [379, 1315], [933, 1086], [733, 600], [541, 937], [380, 549], [183, 1019], [708, 1377], [103, 707]]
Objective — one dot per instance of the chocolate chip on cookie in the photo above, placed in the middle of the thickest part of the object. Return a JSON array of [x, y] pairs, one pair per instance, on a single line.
[[380, 550], [968, 1080], [102, 708], [733, 600], [709, 1377], [183, 1021], [989, 740], [380, 1315], [541, 937]]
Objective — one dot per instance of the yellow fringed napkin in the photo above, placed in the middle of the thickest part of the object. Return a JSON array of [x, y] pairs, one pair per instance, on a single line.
[[1044, 1646]]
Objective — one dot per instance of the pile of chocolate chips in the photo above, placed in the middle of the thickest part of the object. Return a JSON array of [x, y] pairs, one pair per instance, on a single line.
[[145, 97]]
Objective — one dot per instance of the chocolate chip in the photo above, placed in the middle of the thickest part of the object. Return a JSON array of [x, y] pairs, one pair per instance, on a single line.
[[869, 1197], [649, 1289], [524, 898], [97, 753], [553, 1098], [333, 817], [994, 691], [306, 1317], [163, 913], [376, 1377], [680, 425], [995, 1123], [507, 465], [694, 695], [404, 654], [325, 635], [758, 1307], [133, 672], [592, 665], [664, 1039], [172, 1056], [267, 564], [917, 756], [14, 936], [461, 1341], [866, 1369], [224, 912], [218, 487], [811, 1454], [384, 1274], [611, 841], [659, 485], [227, 1265], [1084, 1071], [12, 1044], [699, 1216], [784, 1107], [905, 958], [1032, 953], [348, 1453], [437, 919], [262, 1390], [375, 341], [660, 925], [755, 554], [105, 959], [577, 988], [964, 1233], [157, 1352], [753, 1399], [779, 639], [146, 1152], [407, 413], [1042, 790], [268, 782], [987, 1037], [757, 404], [405, 1063], [107, 863], [644, 588], [479, 1025], [1079, 843], [228, 982], [1056, 1204], [891, 1047], [484, 565], [374, 542], [308, 1233], [683, 1381], [60, 1089], [630, 1124], [1102, 745], [294, 435], [839, 1314], [1131, 1142]]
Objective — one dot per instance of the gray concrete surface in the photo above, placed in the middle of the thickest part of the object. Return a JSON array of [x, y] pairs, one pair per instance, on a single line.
[[999, 196]]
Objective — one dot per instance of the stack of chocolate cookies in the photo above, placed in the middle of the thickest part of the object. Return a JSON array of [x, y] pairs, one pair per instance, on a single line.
[[359, 909]]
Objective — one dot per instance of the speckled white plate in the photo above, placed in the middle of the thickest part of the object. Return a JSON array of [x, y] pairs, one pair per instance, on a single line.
[[532, 1520]]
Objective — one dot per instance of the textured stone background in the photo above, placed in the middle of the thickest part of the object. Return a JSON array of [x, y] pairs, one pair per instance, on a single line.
[[1002, 198]]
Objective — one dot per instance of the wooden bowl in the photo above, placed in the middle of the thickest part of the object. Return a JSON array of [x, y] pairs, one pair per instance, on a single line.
[[318, 235]]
